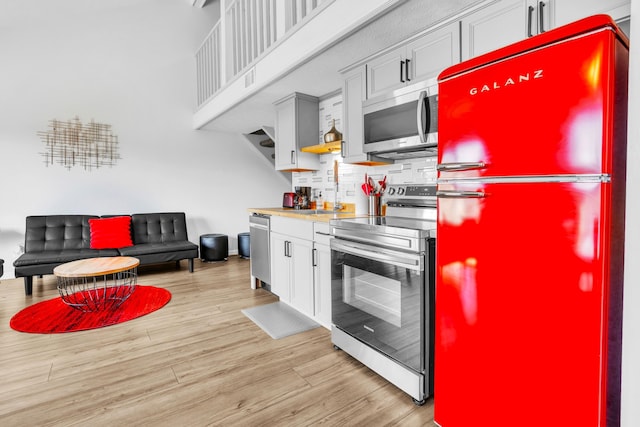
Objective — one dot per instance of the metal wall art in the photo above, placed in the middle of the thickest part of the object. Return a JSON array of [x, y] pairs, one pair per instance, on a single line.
[[73, 143]]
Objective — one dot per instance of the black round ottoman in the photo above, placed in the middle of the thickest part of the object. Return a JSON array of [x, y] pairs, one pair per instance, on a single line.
[[244, 240], [214, 247]]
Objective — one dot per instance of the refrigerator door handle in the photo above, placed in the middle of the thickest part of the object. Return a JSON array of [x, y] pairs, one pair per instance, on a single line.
[[460, 194], [463, 166], [421, 129]]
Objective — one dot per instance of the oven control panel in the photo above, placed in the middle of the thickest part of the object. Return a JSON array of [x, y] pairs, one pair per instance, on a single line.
[[411, 191]]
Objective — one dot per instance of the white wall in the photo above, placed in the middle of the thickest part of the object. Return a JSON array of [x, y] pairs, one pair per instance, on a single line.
[[130, 64]]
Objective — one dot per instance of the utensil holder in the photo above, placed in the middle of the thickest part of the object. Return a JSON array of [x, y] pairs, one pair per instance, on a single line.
[[375, 205]]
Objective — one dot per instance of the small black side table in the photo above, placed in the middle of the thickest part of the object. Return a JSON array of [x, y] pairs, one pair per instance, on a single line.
[[214, 247], [244, 245]]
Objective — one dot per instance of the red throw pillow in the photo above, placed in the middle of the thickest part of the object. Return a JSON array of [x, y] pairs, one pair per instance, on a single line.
[[110, 233]]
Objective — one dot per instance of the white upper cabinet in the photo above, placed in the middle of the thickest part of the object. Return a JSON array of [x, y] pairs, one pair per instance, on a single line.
[[296, 127], [435, 51], [567, 11], [387, 72], [415, 61], [353, 93], [508, 21], [503, 23]]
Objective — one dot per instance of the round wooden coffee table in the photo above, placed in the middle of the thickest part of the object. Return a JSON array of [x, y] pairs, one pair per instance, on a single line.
[[95, 284]]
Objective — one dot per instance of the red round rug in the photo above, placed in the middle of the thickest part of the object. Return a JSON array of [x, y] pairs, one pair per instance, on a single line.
[[54, 316]]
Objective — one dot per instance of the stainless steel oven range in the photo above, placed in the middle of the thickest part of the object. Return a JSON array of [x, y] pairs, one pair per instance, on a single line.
[[382, 287]]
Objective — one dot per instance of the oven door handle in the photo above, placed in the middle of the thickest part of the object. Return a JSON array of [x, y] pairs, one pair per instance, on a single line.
[[398, 242], [400, 259]]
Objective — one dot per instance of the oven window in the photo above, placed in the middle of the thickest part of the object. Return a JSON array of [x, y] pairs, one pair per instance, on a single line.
[[381, 304], [372, 293]]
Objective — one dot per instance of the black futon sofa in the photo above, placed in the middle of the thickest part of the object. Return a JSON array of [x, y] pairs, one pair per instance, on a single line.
[[51, 240]]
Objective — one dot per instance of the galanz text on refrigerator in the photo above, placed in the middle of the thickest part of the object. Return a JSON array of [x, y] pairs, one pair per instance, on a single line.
[[509, 81]]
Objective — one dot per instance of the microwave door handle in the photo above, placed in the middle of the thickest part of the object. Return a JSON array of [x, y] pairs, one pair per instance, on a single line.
[[421, 124]]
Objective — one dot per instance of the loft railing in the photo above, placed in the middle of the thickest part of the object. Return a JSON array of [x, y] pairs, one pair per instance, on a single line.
[[248, 29], [208, 72], [251, 28], [297, 10]]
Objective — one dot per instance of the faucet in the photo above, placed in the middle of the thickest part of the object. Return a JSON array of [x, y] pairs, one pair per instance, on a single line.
[[336, 204]]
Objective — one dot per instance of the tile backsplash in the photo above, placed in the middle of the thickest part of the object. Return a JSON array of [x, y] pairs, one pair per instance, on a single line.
[[351, 177]]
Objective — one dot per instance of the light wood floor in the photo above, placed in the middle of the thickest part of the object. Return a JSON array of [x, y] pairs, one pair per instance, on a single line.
[[198, 361]]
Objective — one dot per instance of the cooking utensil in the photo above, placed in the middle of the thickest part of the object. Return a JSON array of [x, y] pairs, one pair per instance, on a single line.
[[383, 184], [366, 189], [372, 185]]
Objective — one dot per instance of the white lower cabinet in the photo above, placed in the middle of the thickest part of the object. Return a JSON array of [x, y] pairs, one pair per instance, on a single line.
[[301, 266], [301, 277], [280, 267], [292, 262], [322, 273]]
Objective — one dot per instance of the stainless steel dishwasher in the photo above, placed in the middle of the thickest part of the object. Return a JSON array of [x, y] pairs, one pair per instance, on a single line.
[[259, 229]]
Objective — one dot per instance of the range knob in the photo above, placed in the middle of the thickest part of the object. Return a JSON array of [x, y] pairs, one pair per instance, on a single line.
[[391, 191], [400, 191]]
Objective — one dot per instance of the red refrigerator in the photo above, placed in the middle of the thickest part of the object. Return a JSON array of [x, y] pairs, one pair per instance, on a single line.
[[531, 183]]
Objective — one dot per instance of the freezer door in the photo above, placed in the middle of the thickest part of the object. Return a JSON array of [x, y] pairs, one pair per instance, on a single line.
[[520, 304], [545, 112]]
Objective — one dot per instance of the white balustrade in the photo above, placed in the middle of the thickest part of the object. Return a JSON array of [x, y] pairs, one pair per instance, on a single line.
[[208, 70], [247, 30]]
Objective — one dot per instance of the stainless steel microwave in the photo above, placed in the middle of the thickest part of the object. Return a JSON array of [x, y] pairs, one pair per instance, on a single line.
[[403, 124]]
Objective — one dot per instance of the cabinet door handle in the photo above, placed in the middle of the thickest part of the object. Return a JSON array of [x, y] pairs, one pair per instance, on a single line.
[[293, 157], [285, 249], [541, 6], [401, 69], [406, 69], [314, 257], [342, 149], [529, 21]]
